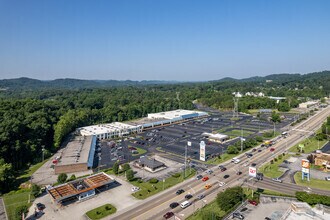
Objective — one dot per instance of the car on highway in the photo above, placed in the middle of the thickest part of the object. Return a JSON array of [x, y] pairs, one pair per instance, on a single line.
[[135, 188], [185, 204], [205, 178], [248, 155], [188, 196], [168, 215], [235, 160], [222, 168], [179, 191], [327, 178], [200, 196], [222, 184], [252, 202], [174, 205], [209, 171], [198, 177], [277, 180], [254, 150], [253, 164], [226, 176], [207, 186], [246, 164], [272, 149], [259, 150], [238, 172]]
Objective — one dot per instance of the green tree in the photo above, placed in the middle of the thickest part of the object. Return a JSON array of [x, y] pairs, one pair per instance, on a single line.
[[115, 168], [232, 150], [130, 175], [6, 176], [35, 190], [125, 167], [61, 178], [72, 177], [275, 117], [230, 197]]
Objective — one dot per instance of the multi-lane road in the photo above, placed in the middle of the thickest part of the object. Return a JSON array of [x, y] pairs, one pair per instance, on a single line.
[[156, 206]]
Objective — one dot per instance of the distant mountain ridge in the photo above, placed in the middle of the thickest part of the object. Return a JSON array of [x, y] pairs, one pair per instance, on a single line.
[[25, 83]]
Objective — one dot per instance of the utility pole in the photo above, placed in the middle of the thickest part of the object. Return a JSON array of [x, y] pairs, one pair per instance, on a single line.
[[241, 140], [43, 149], [185, 160], [274, 129]]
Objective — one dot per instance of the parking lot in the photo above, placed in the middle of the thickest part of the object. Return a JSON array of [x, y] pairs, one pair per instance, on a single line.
[[172, 139]]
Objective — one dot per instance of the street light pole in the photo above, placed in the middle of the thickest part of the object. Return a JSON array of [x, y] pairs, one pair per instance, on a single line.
[[43, 149]]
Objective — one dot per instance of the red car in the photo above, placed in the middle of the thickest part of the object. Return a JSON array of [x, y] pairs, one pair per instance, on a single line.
[[168, 215], [253, 202], [205, 178], [272, 149]]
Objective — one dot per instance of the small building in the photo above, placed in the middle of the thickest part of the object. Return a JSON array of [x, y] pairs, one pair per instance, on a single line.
[[322, 159], [149, 164], [77, 156], [219, 138], [80, 189], [308, 104]]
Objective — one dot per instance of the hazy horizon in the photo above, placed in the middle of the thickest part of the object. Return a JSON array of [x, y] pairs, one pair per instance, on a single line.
[[162, 40]]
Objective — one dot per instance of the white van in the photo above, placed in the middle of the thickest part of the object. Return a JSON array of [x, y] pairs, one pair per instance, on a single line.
[[185, 204], [235, 160]]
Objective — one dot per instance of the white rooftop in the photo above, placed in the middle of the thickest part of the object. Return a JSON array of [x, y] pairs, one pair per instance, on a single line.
[[173, 114], [105, 128], [215, 136]]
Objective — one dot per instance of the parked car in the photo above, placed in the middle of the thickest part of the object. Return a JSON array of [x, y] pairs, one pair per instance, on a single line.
[[198, 177], [252, 202], [168, 215], [226, 176], [327, 178], [135, 188], [188, 196], [205, 178], [277, 180], [174, 205], [238, 215], [207, 186], [179, 191], [40, 206]]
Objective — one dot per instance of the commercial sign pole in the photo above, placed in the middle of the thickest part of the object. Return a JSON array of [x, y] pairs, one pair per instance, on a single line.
[[202, 151], [253, 171], [305, 169]]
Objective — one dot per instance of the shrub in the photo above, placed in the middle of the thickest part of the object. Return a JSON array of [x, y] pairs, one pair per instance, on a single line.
[[130, 175], [176, 175], [279, 157], [108, 208], [72, 177], [140, 181], [275, 159], [115, 168], [35, 190], [61, 178], [20, 210], [153, 180], [271, 161]]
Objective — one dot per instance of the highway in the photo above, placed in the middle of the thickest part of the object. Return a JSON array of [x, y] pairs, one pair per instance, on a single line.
[[156, 206]]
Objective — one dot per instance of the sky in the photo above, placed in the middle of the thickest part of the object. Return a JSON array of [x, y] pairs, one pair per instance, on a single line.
[[184, 40]]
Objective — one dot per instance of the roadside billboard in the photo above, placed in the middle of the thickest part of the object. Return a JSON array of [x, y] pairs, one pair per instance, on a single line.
[[253, 171], [202, 151]]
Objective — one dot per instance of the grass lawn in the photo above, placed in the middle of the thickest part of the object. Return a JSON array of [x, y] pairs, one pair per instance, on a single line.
[[15, 199], [211, 207], [314, 183], [271, 170], [311, 144], [160, 149], [140, 151], [224, 157], [274, 193], [148, 189], [101, 211]]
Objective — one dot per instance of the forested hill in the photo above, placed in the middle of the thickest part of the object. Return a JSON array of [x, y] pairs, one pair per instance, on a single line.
[[24, 83], [290, 80]]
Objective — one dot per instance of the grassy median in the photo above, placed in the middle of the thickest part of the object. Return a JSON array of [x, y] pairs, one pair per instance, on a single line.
[[313, 183], [148, 189], [271, 170], [101, 212]]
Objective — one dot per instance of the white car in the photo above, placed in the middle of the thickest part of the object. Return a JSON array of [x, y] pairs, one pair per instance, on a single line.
[[222, 184], [209, 171], [135, 188], [246, 164], [327, 178]]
